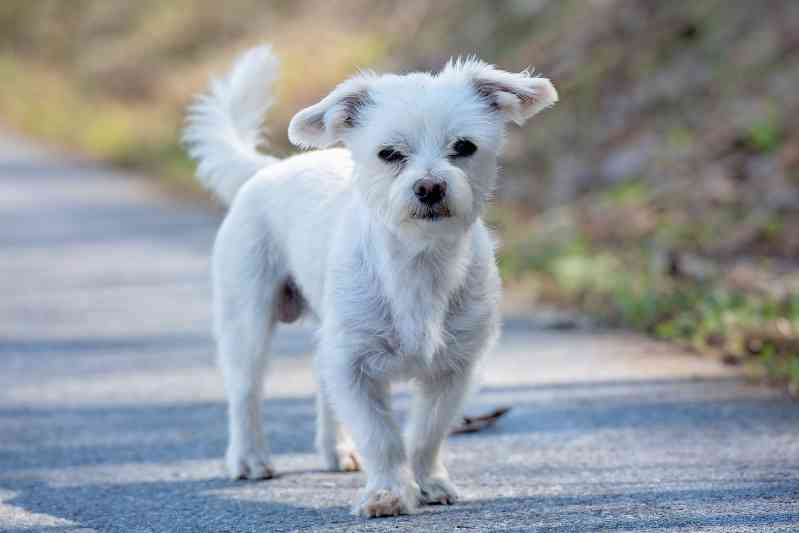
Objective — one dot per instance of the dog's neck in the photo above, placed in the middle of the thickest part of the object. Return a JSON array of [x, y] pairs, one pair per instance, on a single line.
[[418, 280]]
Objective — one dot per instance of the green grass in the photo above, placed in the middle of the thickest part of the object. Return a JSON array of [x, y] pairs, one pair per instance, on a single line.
[[627, 289], [765, 135], [42, 103]]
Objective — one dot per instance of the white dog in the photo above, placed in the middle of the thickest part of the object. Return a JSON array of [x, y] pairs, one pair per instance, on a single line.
[[382, 242]]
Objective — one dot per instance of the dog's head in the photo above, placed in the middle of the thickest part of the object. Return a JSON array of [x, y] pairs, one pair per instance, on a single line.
[[425, 146]]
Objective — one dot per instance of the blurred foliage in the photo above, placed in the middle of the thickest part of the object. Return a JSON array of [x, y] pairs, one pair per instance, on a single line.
[[667, 294], [676, 134]]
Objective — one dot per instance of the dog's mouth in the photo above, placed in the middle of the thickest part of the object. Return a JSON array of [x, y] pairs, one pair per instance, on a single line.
[[431, 214]]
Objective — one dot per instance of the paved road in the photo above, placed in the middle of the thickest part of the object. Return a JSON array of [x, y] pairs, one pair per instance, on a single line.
[[112, 414]]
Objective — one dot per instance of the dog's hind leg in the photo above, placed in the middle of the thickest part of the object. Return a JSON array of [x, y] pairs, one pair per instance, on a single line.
[[334, 444], [246, 288]]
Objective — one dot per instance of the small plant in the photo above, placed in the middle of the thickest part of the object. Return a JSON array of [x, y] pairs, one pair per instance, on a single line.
[[765, 135], [622, 289]]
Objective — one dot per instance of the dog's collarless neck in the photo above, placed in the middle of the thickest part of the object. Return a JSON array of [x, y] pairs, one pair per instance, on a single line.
[[418, 284]]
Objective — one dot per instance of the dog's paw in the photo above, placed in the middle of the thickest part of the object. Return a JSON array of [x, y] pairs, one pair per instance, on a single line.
[[252, 464], [390, 501], [342, 459], [438, 490]]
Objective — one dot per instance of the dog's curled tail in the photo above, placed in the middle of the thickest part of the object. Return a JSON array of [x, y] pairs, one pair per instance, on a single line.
[[223, 126]]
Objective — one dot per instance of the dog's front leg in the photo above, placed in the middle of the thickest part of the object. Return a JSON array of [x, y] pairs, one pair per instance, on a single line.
[[436, 404], [363, 404]]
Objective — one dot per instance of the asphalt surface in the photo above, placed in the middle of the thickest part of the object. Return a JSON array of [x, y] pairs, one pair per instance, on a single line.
[[112, 414]]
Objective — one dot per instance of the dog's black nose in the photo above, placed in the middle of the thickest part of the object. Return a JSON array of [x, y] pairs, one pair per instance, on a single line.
[[430, 191]]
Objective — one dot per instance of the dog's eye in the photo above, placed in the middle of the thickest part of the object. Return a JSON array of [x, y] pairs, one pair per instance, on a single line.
[[390, 155], [463, 148]]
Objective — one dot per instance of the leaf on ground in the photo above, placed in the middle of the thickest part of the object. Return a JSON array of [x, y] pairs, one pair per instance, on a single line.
[[473, 424]]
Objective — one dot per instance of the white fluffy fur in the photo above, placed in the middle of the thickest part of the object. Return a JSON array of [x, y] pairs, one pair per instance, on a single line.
[[224, 126], [337, 234]]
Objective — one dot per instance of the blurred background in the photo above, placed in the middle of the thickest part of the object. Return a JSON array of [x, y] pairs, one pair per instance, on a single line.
[[661, 194]]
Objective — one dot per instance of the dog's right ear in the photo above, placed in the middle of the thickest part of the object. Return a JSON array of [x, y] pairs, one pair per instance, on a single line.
[[327, 122], [516, 95]]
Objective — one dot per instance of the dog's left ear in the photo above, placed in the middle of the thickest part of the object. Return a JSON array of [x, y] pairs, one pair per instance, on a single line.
[[518, 96], [327, 122]]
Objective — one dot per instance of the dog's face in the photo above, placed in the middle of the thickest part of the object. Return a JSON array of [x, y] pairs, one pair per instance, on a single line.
[[425, 146]]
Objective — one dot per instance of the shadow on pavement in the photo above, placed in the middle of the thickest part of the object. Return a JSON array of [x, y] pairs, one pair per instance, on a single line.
[[44, 440], [204, 505]]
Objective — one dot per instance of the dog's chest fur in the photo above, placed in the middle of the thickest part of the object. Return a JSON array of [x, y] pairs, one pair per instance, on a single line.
[[418, 288], [399, 310]]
